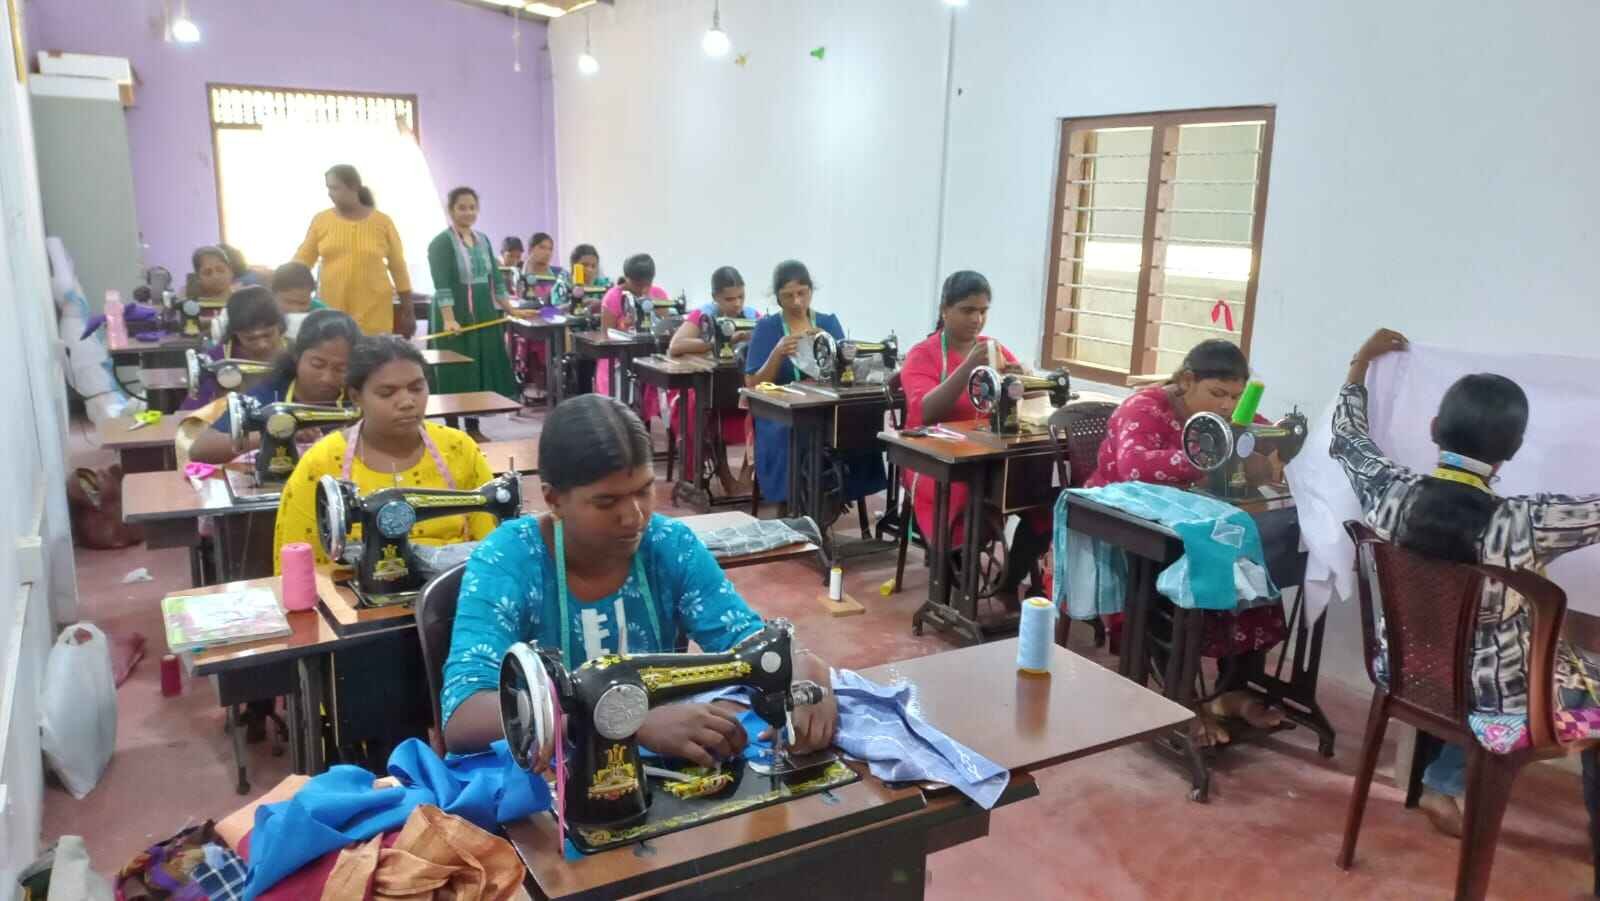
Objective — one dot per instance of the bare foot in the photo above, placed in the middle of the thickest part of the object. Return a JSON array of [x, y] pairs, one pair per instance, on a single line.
[[1207, 731], [1246, 706], [1443, 812]]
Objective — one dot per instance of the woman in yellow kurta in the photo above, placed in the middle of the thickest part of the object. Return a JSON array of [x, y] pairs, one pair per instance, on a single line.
[[393, 445], [360, 252]]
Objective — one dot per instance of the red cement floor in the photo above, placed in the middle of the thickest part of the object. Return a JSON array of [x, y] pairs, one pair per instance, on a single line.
[[1118, 825]]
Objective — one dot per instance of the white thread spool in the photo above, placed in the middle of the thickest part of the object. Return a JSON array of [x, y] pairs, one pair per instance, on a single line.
[[836, 584], [1036, 635]]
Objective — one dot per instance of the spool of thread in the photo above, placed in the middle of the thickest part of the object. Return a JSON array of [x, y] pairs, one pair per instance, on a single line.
[[836, 584], [579, 277], [1245, 412], [299, 584], [1036, 634], [171, 676]]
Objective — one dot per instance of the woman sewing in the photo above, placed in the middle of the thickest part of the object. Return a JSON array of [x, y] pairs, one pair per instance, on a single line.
[[1452, 513], [770, 362], [1143, 443], [934, 378], [391, 446], [602, 573], [313, 372], [727, 302]]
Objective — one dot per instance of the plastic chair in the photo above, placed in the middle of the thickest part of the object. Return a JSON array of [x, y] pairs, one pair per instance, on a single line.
[[1429, 614], [435, 613], [1077, 430]]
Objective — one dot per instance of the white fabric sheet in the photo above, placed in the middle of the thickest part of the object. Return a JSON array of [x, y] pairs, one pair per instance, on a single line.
[[1560, 454]]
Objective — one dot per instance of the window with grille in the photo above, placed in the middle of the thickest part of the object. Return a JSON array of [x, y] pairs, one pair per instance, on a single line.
[[1157, 239], [273, 146]]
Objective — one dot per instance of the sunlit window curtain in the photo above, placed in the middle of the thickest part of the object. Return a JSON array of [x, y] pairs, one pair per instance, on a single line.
[[273, 148]]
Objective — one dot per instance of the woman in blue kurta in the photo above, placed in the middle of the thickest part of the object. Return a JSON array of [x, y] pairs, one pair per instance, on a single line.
[[600, 574], [770, 360]]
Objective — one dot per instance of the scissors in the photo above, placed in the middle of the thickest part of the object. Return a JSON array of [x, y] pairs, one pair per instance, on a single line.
[[148, 417]]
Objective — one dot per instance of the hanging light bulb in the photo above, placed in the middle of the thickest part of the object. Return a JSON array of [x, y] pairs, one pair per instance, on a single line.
[[955, 2], [182, 28], [716, 42], [587, 64]]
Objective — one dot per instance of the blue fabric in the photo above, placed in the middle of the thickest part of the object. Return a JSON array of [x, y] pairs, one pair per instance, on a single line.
[[1215, 534], [878, 724], [508, 594], [340, 807], [268, 391], [1447, 774], [863, 470]]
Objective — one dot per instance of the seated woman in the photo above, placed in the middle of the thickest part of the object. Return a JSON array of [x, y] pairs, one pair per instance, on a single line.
[[602, 573], [212, 279], [296, 289], [1453, 514], [539, 280], [769, 360], [253, 330], [727, 300], [639, 280], [585, 263], [934, 378], [312, 372], [391, 445], [1143, 444], [511, 252]]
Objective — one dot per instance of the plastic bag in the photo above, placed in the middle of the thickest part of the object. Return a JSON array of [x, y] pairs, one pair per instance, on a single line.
[[78, 718]]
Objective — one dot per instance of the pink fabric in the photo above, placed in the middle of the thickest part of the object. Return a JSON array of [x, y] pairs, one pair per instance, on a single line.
[[650, 405], [1143, 444], [920, 374]]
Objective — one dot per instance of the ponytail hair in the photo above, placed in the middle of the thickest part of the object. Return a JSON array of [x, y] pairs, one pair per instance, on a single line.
[[724, 278], [347, 175], [588, 438], [1482, 417], [1214, 359]]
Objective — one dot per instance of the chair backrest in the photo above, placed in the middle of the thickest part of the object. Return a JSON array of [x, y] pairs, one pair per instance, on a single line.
[[1077, 430], [1418, 619], [897, 411], [435, 612]]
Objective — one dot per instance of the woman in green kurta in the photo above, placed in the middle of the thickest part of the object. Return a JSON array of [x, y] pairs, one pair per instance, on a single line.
[[468, 289]]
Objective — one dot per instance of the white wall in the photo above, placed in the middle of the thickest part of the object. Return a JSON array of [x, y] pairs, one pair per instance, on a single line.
[[1431, 171], [35, 586], [704, 163]]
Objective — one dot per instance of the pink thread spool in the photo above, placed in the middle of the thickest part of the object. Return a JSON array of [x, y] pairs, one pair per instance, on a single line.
[[299, 585], [171, 676]]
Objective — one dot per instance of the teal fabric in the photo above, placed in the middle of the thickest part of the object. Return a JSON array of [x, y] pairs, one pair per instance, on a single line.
[[1215, 534]]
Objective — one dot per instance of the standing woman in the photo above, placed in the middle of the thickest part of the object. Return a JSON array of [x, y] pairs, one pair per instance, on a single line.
[[770, 360], [363, 263], [468, 290]]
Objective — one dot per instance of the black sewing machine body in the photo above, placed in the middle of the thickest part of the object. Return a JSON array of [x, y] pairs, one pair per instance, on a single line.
[[1219, 447], [278, 423], [230, 374], [181, 314], [604, 702], [655, 317], [387, 569], [722, 333], [999, 396], [836, 359]]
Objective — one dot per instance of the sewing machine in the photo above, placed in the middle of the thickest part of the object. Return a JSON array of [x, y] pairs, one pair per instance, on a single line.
[[388, 571], [230, 374], [558, 291], [180, 315], [653, 316], [278, 423], [999, 397], [604, 702], [1220, 446], [835, 361], [721, 333]]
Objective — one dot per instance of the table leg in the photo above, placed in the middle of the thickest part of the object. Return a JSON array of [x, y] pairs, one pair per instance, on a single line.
[[938, 561], [310, 671], [453, 422], [552, 369], [297, 739], [967, 599], [816, 496], [236, 732]]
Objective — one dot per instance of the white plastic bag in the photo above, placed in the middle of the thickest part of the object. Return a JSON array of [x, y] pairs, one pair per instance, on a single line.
[[72, 877], [78, 708]]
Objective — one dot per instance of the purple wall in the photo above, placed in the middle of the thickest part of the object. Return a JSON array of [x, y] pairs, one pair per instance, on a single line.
[[481, 123]]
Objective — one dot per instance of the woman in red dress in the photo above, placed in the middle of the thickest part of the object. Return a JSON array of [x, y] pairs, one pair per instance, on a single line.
[[1143, 443]]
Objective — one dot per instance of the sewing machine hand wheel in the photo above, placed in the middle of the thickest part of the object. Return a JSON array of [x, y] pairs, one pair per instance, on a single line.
[[527, 707], [1207, 441], [983, 389], [823, 360], [236, 416], [333, 516], [191, 362]]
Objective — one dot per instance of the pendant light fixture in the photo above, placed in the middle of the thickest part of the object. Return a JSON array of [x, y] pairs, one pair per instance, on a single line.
[[587, 64], [182, 29], [716, 42]]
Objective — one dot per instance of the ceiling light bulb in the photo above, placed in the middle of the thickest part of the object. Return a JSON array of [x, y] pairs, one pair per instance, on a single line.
[[955, 2], [716, 42], [587, 64], [184, 31]]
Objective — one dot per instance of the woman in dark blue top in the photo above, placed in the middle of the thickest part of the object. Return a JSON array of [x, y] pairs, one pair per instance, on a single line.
[[770, 360], [311, 373]]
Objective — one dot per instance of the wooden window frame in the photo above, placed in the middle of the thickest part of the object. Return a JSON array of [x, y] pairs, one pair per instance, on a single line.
[[216, 167], [1068, 237]]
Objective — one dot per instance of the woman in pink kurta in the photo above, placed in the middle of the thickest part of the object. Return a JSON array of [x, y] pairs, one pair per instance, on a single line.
[[934, 377], [638, 279], [1143, 443]]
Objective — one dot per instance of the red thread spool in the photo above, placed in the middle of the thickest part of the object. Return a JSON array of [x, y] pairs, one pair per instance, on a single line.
[[171, 676]]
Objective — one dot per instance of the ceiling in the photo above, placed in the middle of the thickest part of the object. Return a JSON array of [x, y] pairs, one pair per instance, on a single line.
[[542, 10]]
